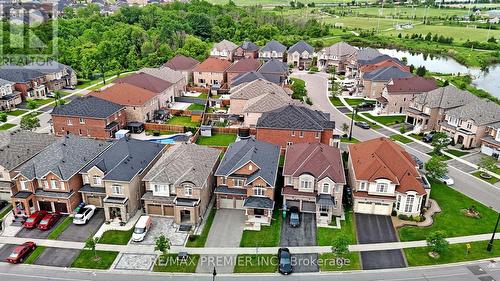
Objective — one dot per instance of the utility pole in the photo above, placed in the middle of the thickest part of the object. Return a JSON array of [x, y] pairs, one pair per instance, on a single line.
[[354, 112], [490, 244]]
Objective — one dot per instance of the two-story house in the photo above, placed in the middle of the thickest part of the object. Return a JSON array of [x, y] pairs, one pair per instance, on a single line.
[[247, 50], [88, 116], [160, 87], [273, 50], [211, 73], [337, 55], [30, 83], [491, 140], [57, 75], [113, 180], [246, 180], [184, 65], [300, 54], [223, 50], [385, 178], [178, 80], [181, 183], [466, 124], [243, 65], [50, 180], [314, 180], [275, 71], [9, 98], [17, 147], [375, 81]]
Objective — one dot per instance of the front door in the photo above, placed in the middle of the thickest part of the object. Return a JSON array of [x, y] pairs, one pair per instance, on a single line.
[[115, 212], [185, 216]]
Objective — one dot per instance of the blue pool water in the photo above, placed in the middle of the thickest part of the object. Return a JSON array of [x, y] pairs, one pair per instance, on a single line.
[[170, 140]]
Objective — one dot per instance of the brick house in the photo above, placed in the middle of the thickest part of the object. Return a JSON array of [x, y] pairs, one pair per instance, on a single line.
[[9, 98], [273, 50], [300, 54], [211, 73], [184, 65], [181, 183], [176, 78], [50, 180], [90, 117], [243, 65], [375, 81], [275, 71], [223, 50], [314, 180], [293, 124], [247, 50], [338, 55], [246, 180], [57, 75], [30, 83], [164, 89], [491, 140]]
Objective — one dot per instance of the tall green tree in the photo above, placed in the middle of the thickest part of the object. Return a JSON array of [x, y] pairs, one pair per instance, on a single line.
[[29, 122], [436, 167]]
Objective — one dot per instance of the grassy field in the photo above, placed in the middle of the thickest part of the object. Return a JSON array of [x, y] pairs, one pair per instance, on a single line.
[[459, 33], [169, 263], [325, 236], [329, 262], [268, 236], [276, 2], [85, 259], [182, 121], [387, 120], [408, 12], [400, 138], [6, 126], [199, 240], [116, 237], [60, 228], [256, 264], [217, 140]]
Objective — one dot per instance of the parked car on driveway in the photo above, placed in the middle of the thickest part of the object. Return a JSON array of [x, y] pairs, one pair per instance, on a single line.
[[285, 261], [428, 137], [141, 228], [294, 217], [21, 252], [84, 214], [446, 180], [48, 221], [419, 162], [363, 125], [33, 220]]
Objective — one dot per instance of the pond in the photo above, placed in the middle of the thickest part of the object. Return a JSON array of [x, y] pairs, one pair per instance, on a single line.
[[487, 79]]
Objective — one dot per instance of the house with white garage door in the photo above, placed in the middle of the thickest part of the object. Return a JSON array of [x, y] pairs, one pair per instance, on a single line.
[[385, 178], [246, 180]]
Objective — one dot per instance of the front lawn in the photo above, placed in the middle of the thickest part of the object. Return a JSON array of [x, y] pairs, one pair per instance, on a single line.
[[169, 263], [325, 236], [452, 219], [182, 121], [60, 228], [86, 259], [491, 180], [445, 157], [195, 106], [6, 126], [346, 139], [360, 118], [400, 138], [268, 236], [199, 240], [256, 264], [332, 262], [354, 101], [454, 253], [336, 101], [16, 112], [34, 255], [217, 140], [417, 136], [457, 153], [387, 120], [5, 211], [116, 237]]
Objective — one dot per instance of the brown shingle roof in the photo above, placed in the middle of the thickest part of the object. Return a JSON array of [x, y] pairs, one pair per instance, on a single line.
[[181, 62], [244, 65], [384, 63], [411, 85], [125, 94], [146, 81], [212, 65]]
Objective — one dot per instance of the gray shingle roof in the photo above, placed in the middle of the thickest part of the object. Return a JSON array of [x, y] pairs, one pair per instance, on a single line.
[[163, 73], [249, 46], [339, 49], [225, 45], [367, 54], [18, 74], [255, 88], [267, 102], [247, 77], [445, 97], [274, 66], [273, 45], [18, 146], [296, 118], [259, 202], [87, 106], [377, 59], [5, 82], [300, 47], [48, 66], [65, 157], [184, 163], [125, 159], [483, 112], [264, 155], [386, 74]]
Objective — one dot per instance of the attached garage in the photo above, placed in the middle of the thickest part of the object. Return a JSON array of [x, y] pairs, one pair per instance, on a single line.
[[239, 204], [384, 209], [168, 210], [94, 200], [154, 210], [45, 206], [61, 207], [373, 208], [226, 203]]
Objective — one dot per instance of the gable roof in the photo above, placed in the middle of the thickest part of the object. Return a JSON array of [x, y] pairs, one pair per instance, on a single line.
[[318, 159], [482, 111], [5, 82], [382, 158], [64, 158], [212, 64], [273, 45], [445, 97], [384, 63], [87, 106], [125, 159], [255, 88], [247, 77], [163, 73], [244, 65], [386, 74], [274, 66], [184, 163], [377, 59], [125, 94], [264, 155], [295, 117], [268, 102], [18, 146], [225, 45], [180, 62], [367, 54], [48, 66], [300, 47], [411, 85], [249, 46], [18, 74], [145, 81], [340, 49]]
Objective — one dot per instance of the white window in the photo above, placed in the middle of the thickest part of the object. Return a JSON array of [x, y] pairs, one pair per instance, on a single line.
[[24, 185], [96, 180], [259, 191], [239, 182], [398, 202], [362, 186], [325, 188], [70, 122], [306, 183], [117, 189], [159, 188], [223, 180], [289, 180], [53, 184], [46, 184], [382, 187], [301, 134], [62, 185], [85, 179], [409, 203], [293, 133], [82, 121], [317, 135], [188, 190], [250, 167]]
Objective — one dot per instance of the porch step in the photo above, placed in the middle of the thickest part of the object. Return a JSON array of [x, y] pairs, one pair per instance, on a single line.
[[252, 226]]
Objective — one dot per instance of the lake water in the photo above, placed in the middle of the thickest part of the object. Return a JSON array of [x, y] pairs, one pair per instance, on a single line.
[[488, 80]]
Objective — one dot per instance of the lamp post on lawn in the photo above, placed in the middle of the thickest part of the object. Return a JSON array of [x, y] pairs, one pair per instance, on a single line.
[[354, 112], [490, 244]]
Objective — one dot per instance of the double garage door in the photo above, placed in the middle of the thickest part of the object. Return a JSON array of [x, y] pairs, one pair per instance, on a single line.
[[230, 203], [159, 210], [373, 208]]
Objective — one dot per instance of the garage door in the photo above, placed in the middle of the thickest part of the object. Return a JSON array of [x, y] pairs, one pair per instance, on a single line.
[[382, 209], [226, 203], [363, 207], [239, 204], [154, 210], [45, 206], [61, 208], [168, 210], [93, 200]]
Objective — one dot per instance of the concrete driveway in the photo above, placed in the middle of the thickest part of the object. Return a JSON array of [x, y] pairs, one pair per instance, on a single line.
[[167, 227], [378, 229], [58, 257], [37, 233], [80, 233], [5, 251]]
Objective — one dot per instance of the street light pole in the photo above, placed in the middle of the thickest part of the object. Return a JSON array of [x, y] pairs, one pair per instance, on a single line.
[[490, 244], [354, 112]]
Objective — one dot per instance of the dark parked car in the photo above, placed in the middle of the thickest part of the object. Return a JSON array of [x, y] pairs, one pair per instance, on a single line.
[[34, 219], [366, 105], [363, 125], [49, 221], [301, 67], [285, 261], [294, 217], [3, 203], [428, 137], [21, 252], [418, 161]]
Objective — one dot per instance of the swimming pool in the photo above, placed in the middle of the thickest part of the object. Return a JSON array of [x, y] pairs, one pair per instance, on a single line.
[[171, 140]]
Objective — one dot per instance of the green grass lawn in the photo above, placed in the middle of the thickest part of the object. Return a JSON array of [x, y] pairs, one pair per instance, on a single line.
[[182, 121], [400, 138], [200, 240], [6, 126], [16, 112], [358, 117], [5, 211], [195, 106], [354, 101], [457, 153], [336, 101], [387, 120], [86, 259], [202, 96], [116, 237], [34, 255], [60, 228], [492, 180], [169, 263], [217, 140], [325, 236], [454, 253], [451, 219], [256, 264], [42, 102], [268, 236], [346, 139], [445, 157], [330, 262], [418, 137]]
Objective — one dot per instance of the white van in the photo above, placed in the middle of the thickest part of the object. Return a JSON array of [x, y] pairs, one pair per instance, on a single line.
[[141, 228]]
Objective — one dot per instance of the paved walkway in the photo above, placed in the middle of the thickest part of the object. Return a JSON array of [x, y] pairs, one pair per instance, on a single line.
[[429, 214]]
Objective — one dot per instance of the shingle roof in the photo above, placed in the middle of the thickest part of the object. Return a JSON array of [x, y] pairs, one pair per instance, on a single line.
[[48, 66], [258, 202], [184, 163], [146, 81], [411, 85], [383, 64], [367, 54], [482, 111], [340, 49], [64, 158], [225, 45], [87, 106], [125, 94], [445, 97], [164, 73], [18, 74], [249, 46], [247, 77], [16, 147], [5, 82], [244, 65], [300, 47], [273, 45], [386, 74], [212, 65], [318, 159], [268, 102], [378, 59], [125, 159], [274, 66], [296, 118], [264, 155], [255, 88], [180, 62]]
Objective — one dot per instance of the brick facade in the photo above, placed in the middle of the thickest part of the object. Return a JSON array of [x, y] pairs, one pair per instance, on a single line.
[[282, 137]]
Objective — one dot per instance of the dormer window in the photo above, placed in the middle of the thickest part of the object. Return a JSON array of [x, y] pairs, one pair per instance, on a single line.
[[53, 184], [188, 190], [96, 180], [382, 187], [325, 188]]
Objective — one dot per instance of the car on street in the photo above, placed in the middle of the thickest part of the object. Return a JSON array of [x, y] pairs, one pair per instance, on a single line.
[[446, 180], [49, 220], [50, 95], [363, 125], [21, 252], [285, 261], [33, 220], [294, 217], [84, 214], [428, 137], [366, 105]]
